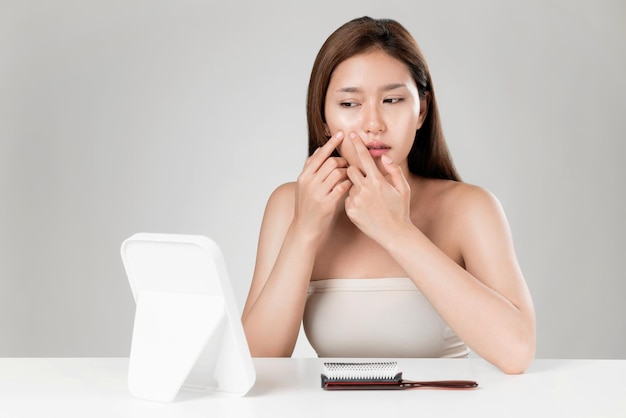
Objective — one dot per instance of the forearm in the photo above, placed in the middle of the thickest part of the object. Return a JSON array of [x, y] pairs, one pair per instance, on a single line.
[[272, 322], [490, 324]]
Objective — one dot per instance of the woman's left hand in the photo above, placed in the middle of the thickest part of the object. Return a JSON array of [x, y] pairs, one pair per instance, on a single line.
[[377, 204]]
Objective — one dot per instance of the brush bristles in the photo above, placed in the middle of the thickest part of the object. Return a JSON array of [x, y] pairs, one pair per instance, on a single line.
[[361, 371]]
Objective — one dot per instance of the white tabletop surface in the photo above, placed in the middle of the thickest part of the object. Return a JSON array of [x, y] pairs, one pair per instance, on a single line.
[[96, 387]]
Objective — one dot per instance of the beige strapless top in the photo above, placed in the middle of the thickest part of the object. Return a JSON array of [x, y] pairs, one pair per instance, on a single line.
[[387, 317]]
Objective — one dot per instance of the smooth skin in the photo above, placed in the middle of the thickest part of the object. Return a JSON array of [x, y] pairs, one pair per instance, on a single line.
[[364, 215]]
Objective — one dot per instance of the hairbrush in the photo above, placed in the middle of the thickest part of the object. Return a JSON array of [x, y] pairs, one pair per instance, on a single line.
[[379, 375]]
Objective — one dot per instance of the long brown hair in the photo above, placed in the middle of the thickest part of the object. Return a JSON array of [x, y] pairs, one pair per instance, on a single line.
[[429, 155]]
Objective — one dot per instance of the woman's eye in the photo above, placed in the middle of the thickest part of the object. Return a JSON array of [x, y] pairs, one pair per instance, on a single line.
[[348, 104], [393, 100]]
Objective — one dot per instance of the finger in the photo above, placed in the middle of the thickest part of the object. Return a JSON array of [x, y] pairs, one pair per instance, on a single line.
[[398, 181], [368, 165], [322, 153], [349, 153], [331, 164], [337, 176], [355, 175], [341, 189]]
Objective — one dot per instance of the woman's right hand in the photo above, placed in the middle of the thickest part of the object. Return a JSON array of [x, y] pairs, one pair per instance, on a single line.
[[322, 184]]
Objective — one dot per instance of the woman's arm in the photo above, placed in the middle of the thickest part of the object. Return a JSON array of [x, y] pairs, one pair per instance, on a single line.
[[296, 220], [487, 303], [275, 304]]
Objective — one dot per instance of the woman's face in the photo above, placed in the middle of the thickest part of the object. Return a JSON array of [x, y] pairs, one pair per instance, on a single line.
[[374, 95]]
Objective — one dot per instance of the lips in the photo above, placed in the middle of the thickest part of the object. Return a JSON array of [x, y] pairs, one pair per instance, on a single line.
[[377, 148]]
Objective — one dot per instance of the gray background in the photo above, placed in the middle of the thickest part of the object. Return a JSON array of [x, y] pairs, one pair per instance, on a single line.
[[119, 117]]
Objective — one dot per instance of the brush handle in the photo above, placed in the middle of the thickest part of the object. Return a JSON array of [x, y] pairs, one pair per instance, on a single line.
[[442, 384], [398, 384]]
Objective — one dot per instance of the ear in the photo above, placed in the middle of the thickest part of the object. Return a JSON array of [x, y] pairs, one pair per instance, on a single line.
[[424, 106]]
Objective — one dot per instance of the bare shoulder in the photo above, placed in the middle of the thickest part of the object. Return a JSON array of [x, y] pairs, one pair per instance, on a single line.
[[280, 206], [450, 198], [282, 198], [470, 199], [458, 212], [479, 223]]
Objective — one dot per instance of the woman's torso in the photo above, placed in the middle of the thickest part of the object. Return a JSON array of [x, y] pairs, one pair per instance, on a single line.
[[385, 317], [369, 307]]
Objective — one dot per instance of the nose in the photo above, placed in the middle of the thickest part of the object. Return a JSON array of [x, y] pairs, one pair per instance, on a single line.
[[373, 122]]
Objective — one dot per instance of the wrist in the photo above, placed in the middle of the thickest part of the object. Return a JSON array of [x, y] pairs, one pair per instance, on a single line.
[[304, 235], [397, 235]]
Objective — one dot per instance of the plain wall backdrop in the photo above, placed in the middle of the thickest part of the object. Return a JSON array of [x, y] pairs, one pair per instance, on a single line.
[[131, 116]]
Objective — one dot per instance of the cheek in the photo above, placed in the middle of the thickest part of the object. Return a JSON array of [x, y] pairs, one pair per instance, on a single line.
[[407, 142], [340, 122], [347, 151], [343, 149]]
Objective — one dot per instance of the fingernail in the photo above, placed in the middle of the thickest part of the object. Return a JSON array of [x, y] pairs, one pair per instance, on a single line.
[[339, 134], [352, 135], [385, 159]]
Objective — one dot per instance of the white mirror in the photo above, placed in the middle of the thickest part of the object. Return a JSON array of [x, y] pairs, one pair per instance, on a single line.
[[187, 330]]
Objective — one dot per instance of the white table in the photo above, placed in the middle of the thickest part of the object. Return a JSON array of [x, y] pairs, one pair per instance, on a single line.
[[96, 387]]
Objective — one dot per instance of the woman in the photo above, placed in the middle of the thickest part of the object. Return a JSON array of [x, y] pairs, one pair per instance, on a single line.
[[379, 247]]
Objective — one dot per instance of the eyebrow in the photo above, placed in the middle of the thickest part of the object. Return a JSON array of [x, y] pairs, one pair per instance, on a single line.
[[392, 86]]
